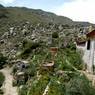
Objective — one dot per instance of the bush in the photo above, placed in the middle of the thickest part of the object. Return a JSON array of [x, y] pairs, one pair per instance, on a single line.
[[55, 35], [56, 89], [39, 86], [28, 47], [1, 92], [76, 60], [27, 44], [79, 86], [71, 46], [23, 90], [2, 79], [3, 60]]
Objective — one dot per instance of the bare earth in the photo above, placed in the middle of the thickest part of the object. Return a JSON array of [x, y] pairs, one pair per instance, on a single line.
[[7, 86]]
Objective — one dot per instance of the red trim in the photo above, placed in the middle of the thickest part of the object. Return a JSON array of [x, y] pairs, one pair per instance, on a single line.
[[81, 43], [91, 34]]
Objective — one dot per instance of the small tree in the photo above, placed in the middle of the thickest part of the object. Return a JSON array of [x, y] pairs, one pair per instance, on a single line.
[[55, 35]]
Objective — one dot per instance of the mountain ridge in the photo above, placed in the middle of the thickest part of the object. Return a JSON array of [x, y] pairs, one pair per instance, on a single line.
[[38, 15]]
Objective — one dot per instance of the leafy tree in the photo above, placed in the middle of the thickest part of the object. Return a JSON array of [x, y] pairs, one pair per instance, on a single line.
[[55, 35]]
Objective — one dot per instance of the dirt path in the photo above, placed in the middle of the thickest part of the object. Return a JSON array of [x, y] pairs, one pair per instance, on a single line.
[[7, 86]]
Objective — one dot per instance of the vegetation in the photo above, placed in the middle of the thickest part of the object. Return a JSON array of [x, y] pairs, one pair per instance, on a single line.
[[57, 83], [2, 79], [79, 86], [3, 60], [55, 35], [28, 48], [71, 82], [32, 33]]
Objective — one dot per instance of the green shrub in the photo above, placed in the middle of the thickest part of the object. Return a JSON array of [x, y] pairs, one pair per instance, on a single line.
[[3, 60], [76, 60], [14, 83], [38, 87], [1, 92], [2, 79], [28, 47], [55, 35], [56, 89], [79, 86], [23, 90]]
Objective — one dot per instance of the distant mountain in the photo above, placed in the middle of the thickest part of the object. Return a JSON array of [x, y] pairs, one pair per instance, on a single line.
[[1, 6], [82, 23], [17, 14], [3, 11]]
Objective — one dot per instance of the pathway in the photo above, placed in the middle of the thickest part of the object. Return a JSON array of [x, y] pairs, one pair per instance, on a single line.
[[7, 86]]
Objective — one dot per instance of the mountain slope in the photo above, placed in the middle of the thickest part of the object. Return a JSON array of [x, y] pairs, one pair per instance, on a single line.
[[20, 14], [36, 15]]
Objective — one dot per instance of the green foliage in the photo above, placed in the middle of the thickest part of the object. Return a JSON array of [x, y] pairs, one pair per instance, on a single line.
[[3, 60], [3, 12], [2, 79], [73, 83], [31, 71], [30, 44], [60, 61], [71, 46], [1, 92], [23, 90], [55, 35], [74, 58], [56, 88], [38, 86], [79, 86], [28, 47]]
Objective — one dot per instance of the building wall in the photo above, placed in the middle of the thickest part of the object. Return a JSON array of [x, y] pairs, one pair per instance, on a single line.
[[88, 56]]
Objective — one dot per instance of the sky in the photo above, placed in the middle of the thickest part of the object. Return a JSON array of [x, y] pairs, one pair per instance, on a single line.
[[77, 10]]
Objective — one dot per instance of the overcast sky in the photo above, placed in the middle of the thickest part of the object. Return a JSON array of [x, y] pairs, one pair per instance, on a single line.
[[77, 10]]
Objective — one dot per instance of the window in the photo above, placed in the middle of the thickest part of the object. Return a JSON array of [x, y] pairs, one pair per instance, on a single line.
[[88, 45]]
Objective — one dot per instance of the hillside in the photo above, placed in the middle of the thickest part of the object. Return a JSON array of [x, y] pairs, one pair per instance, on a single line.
[[37, 15], [20, 14], [38, 54]]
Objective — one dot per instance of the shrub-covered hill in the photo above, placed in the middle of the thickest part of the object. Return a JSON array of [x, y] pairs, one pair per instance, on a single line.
[[35, 15], [31, 35]]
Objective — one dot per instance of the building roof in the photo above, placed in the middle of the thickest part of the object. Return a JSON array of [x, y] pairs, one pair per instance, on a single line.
[[91, 34], [80, 41]]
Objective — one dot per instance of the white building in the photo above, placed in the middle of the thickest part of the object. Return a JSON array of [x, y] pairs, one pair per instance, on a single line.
[[88, 48]]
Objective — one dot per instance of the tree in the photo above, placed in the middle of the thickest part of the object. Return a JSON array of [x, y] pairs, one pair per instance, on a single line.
[[55, 35]]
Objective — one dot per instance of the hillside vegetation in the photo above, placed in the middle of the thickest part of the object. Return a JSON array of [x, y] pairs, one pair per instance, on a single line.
[[40, 48]]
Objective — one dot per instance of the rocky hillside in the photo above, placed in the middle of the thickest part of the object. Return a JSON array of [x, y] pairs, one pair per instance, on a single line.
[[34, 15], [40, 48]]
